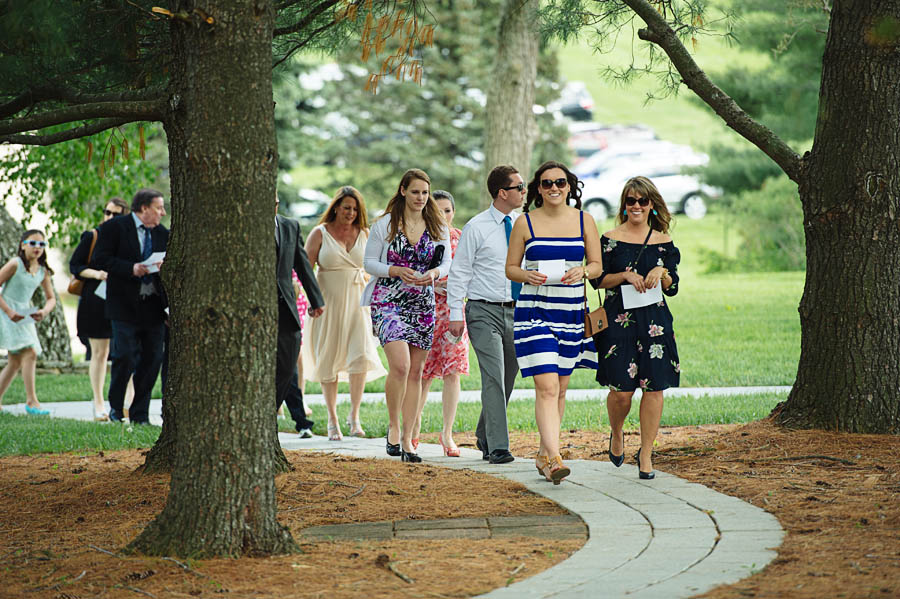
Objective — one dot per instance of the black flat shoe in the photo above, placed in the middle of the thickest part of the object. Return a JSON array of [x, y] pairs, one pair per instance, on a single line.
[[392, 449], [485, 454], [641, 474], [409, 457], [617, 460]]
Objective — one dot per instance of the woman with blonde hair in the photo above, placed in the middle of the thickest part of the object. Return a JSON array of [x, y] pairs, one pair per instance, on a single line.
[[407, 251], [339, 345], [638, 349]]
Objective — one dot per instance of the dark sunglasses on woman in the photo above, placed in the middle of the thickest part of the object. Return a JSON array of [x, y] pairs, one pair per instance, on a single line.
[[644, 202], [111, 213], [549, 183]]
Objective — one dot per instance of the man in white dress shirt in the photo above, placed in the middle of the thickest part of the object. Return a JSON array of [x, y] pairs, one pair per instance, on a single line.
[[478, 272]]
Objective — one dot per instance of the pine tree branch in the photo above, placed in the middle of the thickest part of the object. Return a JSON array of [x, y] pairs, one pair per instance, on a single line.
[[67, 135], [53, 93], [127, 111], [307, 19], [660, 33]]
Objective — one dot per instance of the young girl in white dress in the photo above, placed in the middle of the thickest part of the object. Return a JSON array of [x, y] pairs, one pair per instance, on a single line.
[[20, 278]]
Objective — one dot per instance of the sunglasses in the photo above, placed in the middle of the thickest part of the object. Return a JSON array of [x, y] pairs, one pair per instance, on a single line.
[[549, 183], [519, 187], [111, 213], [642, 201], [35, 244]]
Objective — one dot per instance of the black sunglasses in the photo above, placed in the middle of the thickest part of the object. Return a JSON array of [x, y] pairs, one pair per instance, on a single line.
[[519, 187], [110, 213], [642, 201], [549, 183]]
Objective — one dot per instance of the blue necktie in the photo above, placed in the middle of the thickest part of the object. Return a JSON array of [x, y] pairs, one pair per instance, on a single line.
[[516, 287], [146, 251]]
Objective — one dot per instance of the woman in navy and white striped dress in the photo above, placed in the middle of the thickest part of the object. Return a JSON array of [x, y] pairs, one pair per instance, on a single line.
[[549, 316]]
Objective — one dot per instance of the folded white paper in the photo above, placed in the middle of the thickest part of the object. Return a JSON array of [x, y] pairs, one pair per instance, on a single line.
[[101, 290], [150, 262], [554, 269], [632, 299]]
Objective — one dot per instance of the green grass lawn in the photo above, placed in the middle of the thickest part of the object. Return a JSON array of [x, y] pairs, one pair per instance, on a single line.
[[24, 435]]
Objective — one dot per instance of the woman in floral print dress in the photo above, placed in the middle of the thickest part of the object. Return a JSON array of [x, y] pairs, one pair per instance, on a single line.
[[638, 349], [407, 251]]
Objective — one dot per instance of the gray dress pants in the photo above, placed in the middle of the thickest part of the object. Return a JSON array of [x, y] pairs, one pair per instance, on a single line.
[[491, 332]]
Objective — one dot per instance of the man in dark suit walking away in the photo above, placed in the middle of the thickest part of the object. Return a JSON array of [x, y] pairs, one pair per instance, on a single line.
[[135, 300], [291, 255]]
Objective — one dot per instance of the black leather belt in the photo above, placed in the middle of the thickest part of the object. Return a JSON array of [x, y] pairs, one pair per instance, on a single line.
[[511, 304]]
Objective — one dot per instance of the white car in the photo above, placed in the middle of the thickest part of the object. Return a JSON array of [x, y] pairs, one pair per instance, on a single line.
[[683, 193]]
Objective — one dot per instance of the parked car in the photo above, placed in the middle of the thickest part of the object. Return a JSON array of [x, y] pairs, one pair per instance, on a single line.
[[586, 139], [308, 207], [575, 102], [656, 149], [683, 193]]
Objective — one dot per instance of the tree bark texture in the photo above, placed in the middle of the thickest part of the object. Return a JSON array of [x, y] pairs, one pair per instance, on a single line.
[[510, 129], [52, 332], [849, 372], [220, 277]]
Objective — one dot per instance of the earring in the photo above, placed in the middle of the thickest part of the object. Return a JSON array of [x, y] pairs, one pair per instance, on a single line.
[[654, 212], [625, 212]]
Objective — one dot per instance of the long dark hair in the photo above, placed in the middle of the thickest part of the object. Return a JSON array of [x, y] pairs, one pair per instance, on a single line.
[[42, 259], [347, 191], [434, 221], [534, 196], [646, 189]]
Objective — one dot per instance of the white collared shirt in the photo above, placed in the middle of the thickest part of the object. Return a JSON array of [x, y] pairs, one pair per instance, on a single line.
[[478, 270]]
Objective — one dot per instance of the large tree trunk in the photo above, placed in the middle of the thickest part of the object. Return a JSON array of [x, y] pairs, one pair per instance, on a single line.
[[52, 332], [510, 129], [220, 275], [849, 373]]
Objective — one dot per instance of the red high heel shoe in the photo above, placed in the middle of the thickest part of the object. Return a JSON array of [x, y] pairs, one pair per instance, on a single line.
[[450, 452]]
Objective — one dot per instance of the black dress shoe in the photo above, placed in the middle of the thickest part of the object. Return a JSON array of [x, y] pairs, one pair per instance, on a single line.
[[641, 474], [409, 457], [500, 456], [485, 454], [617, 460], [392, 449]]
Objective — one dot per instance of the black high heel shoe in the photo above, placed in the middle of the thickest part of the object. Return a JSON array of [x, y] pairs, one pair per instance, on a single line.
[[641, 474], [409, 457], [392, 449], [617, 460]]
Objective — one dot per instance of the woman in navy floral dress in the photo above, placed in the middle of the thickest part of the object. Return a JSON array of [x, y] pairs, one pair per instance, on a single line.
[[408, 249], [638, 349]]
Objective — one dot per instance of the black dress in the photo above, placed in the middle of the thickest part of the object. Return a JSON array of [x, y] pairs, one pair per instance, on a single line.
[[91, 319], [638, 348]]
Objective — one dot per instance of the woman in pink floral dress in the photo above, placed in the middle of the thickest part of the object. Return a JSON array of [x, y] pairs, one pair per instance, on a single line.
[[446, 360]]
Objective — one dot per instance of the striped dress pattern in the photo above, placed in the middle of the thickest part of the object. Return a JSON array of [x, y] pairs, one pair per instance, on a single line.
[[549, 319]]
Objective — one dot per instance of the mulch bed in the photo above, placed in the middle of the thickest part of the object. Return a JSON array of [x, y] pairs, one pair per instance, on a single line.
[[837, 495]]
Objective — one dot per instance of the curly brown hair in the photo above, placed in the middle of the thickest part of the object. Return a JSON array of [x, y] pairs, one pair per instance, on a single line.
[[534, 195]]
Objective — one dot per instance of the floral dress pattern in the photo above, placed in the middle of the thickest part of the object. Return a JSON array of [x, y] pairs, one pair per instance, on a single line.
[[638, 349], [444, 357], [402, 312]]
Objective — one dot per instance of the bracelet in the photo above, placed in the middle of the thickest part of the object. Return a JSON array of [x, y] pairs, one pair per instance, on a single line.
[[665, 274]]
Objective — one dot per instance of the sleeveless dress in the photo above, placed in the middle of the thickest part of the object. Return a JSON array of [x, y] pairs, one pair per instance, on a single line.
[[444, 357], [402, 312], [638, 349], [17, 292], [549, 319], [340, 342], [91, 320]]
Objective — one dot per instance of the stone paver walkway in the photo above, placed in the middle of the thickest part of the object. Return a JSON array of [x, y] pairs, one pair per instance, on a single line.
[[660, 539]]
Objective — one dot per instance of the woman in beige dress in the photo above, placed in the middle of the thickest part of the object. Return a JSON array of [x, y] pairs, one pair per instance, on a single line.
[[340, 346]]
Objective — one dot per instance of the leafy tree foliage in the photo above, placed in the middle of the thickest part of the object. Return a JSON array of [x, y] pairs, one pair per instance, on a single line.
[[368, 141]]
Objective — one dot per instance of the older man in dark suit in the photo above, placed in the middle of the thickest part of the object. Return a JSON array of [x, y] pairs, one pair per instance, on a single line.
[[290, 255], [135, 300]]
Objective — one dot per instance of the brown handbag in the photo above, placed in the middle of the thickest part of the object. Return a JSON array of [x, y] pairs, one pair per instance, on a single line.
[[76, 285], [594, 320]]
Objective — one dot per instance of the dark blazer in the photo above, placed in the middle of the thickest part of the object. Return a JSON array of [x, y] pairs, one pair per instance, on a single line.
[[291, 256], [116, 252]]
